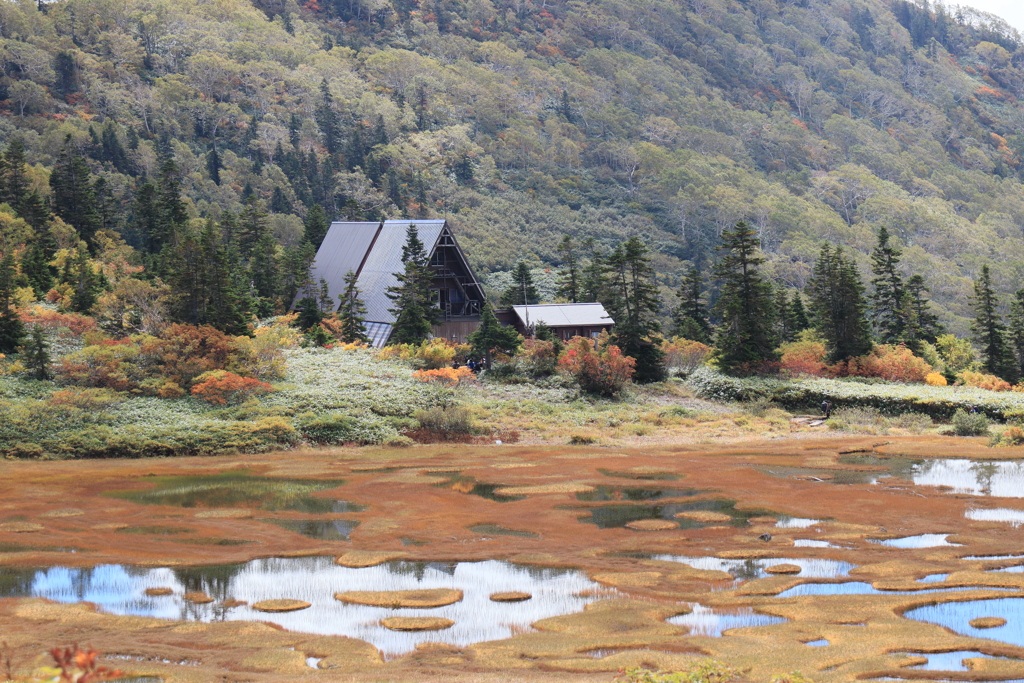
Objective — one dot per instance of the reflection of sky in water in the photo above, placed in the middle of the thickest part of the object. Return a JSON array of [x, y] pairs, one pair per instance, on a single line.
[[796, 522], [755, 568], [810, 543], [709, 621], [956, 616], [933, 578], [919, 541], [821, 642], [856, 588], [1003, 479], [1013, 517], [946, 661], [120, 589]]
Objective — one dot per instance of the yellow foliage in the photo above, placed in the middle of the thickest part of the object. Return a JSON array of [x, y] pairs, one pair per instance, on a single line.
[[23, 296], [448, 376], [980, 380], [935, 379], [261, 356]]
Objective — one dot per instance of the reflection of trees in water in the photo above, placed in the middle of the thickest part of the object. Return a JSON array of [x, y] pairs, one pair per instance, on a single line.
[[984, 473], [17, 583], [636, 493], [214, 580], [748, 569]]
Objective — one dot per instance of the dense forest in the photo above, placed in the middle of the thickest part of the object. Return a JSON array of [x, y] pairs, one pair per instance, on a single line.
[[192, 152]]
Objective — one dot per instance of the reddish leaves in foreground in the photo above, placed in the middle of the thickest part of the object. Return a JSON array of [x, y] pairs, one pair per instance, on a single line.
[[80, 666]]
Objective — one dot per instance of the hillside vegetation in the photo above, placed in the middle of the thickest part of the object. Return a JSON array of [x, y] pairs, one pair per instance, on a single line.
[[520, 121]]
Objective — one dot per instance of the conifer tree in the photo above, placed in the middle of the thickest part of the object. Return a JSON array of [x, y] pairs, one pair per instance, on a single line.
[[593, 274], [569, 284], [12, 331], [252, 225], [35, 353], [838, 307], [690, 319], [887, 298], [316, 226], [263, 269], [200, 274], [921, 324], [990, 331], [783, 317], [493, 335], [146, 224], [633, 303], [415, 312], [170, 206], [296, 270], [213, 165], [310, 314], [34, 211], [327, 120], [521, 291], [1016, 329], [352, 313], [35, 266], [746, 336], [13, 180], [798, 321], [86, 282], [71, 192]]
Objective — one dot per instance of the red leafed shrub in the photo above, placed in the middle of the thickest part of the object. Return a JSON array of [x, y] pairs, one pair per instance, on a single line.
[[685, 355], [603, 372], [76, 665], [980, 380], [805, 357], [63, 324], [221, 387], [891, 363], [184, 352]]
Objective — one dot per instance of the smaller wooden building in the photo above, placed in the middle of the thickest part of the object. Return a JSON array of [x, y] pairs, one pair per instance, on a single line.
[[565, 320]]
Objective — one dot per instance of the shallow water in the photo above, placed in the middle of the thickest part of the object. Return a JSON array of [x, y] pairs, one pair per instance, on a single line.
[[651, 476], [981, 478], [119, 589], [323, 529], [811, 543], [711, 621], [1014, 517], [821, 642], [466, 484], [634, 493], [946, 661], [858, 588], [755, 568], [919, 541], [933, 578], [498, 530], [618, 515], [238, 489], [796, 523], [957, 615]]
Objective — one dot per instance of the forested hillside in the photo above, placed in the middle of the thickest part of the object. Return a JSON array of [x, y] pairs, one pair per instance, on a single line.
[[160, 133]]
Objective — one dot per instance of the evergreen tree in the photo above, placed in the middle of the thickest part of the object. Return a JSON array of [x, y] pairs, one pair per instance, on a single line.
[[493, 335], [690, 319], [1016, 329], [113, 151], [921, 325], [990, 331], [35, 353], [296, 270], [521, 291], [213, 165], [838, 307], [414, 311], [798, 321], [85, 280], [71, 192], [783, 317], [34, 211], [352, 313], [263, 269], [146, 223], [633, 303], [170, 206], [200, 274], [252, 225], [746, 336], [593, 280], [328, 121], [316, 226], [310, 314], [887, 299], [11, 328], [35, 266], [569, 280], [13, 180]]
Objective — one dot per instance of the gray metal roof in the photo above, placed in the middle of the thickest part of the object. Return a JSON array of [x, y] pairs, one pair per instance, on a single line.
[[565, 315], [385, 259], [342, 250]]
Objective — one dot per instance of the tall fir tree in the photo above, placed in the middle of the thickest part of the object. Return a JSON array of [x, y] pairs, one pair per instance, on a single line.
[[920, 323], [71, 192], [328, 121], [990, 331], [783, 317], [887, 298], [1016, 329], [213, 165], [200, 274], [798, 321], [86, 281], [147, 228], [690, 319], [35, 353], [12, 330], [315, 226], [746, 308], [569, 278], [838, 307], [252, 225], [352, 313], [415, 312], [13, 179], [592, 284], [634, 305], [521, 291], [264, 271]]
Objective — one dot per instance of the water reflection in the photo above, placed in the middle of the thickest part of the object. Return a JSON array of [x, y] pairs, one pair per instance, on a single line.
[[120, 589], [947, 661], [857, 588], [322, 529], [1013, 517], [981, 478], [755, 568], [618, 515], [957, 616], [919, 541], [713, 621]]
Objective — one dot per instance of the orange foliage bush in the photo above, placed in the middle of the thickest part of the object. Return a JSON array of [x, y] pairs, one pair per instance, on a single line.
[[54, 322], [805, 357], [81, 666], [221, 387], [980, 380], [685, 355], [891, 363], [184, 352], [448, 376], [935, 379], [603, 372]]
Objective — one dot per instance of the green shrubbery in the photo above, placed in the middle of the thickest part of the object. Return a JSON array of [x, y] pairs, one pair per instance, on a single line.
[[969, 424], [888, 399]]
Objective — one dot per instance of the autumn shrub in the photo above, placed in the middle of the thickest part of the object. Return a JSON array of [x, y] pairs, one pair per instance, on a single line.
[[121, 366], [804, 357], [604, 372], [969, 423], [935, 379], [431, 354], [56, 323], [893, 363], [447, 376], [537, 358], [262, 355], [700, 671], [683, 356], [1011, 436], [85, 399], [331, 429], [184, 352], [448, 423], [980, 380], [222, 387]]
